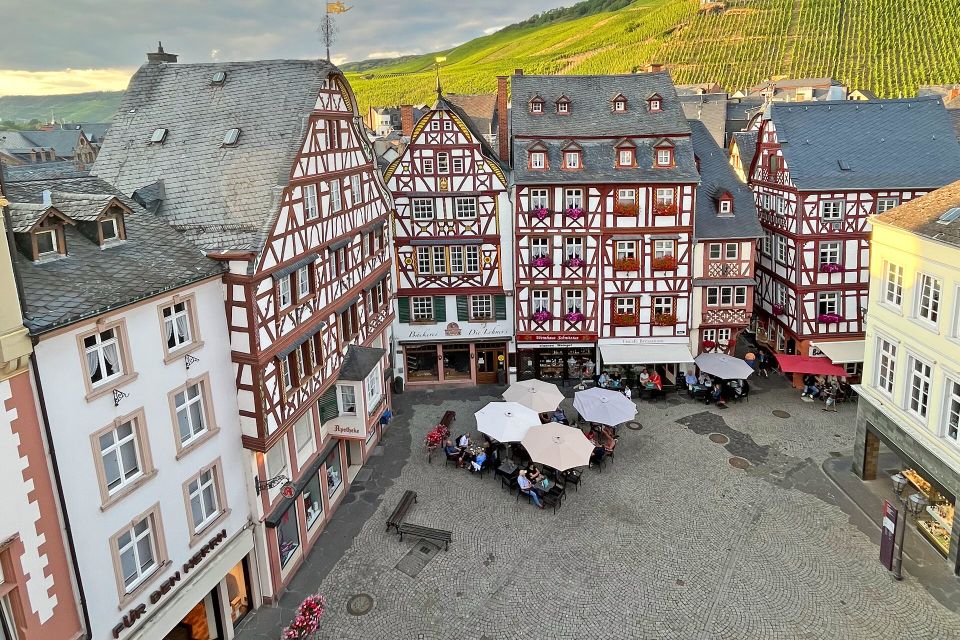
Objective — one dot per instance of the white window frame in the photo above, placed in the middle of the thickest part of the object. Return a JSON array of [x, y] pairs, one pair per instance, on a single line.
[[663, 305], [186, 406], [885, 204], [563, 107], [625, 306], [204, 490], [458, 164], [537, 243], [465, 207], [540, 300], [782, 251], [53, 242], [539, 198], [116, 449], [664, 248], [373, 387], [355, 188], [665, 195], [828, 302], [716, 250], [571, 159], [573, 300], [832, 210], [303, 278], [538, 160], [919, 382], [456, 259], [440, 260], [627, 196], [830, 253], [424, 260], [713, 296], [336, 201], [625, 157], [443, 162], [929, 298], [740, 296], [951, 410], [284, 294], [481, 307], [346, 393], [422, 209], [311, 209], [731, 255], [421, 309], [664, 157], [472, 258], [172, 324], [428, 165], [726, 206], [536, 107], [573, 247], [148, 536], [626, 249], [99, 348], [892, 284], [619, 105], [887, 353], [286, 376]]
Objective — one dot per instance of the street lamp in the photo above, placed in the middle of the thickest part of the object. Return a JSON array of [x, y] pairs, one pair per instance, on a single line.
[[912, 505]]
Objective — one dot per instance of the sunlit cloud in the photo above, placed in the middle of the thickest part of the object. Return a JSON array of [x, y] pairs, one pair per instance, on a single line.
[[14, 82], [391, 54]]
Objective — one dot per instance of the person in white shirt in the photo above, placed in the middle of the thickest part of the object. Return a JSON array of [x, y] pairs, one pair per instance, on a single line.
[[527, 488], [626, 391]]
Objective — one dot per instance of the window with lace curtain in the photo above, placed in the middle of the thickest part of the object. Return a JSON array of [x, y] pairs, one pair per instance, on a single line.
[[103, 360], [176, 325]]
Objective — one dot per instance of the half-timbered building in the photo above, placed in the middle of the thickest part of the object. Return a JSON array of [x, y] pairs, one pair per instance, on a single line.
[[821, 170], [453, 258], [605, 182], [726, 230], [264, 166]]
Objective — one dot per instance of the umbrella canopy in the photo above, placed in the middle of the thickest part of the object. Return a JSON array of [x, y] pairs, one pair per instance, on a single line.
[[604, 406], [723, 366], [536, 394], [506, 421], [558, 446]]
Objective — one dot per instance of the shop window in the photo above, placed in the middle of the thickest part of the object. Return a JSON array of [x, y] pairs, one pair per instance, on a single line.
[[456, 361], [347, 399], [238, 592], [421, 363], [374, 388], [288, 535], [313, 501], [334, 472]]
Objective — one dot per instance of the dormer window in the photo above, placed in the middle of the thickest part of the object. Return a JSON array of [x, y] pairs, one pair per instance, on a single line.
[[571, 159], [619, 103], [46, 242], [625, 158], [655, 102], [538, 160], [663, 154], [109, 230], [159, 135], [563, 105], [725, 206], [536, 105]]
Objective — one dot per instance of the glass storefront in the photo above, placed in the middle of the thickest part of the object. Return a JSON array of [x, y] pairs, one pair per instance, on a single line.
[[334, 472], [568, 363], [422, 363], [238, 592], [313, 501], [288, 535], [456, 361], [200, 624]]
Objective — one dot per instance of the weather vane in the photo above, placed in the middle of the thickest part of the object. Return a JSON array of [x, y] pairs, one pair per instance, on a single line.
[[328, 29]]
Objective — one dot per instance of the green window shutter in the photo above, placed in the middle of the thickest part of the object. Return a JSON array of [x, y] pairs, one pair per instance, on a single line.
[[440, 308], [500, 307], [403, 309], [328, 405], [463, 313]]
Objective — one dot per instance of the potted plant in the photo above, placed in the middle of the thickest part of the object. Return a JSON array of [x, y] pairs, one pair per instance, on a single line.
[[306, 623], [624, 319], [542, 261], [664, 209], [573, 316], [830, 267], [829, 318], [574, 262], [624, 209], [664, 263], [542, 316], [664, 320], [778, 309], [626, 264], [574, 213], [540, 212], [709, 344]]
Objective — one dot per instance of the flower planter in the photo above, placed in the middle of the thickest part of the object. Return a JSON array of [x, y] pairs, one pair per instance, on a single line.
[[830, 267], [625, 210], [664, 320], [626, 264], [573, 316], [660, 209], [709, 344], [306, 623], [666, 263], [574, 263], [542, 316], [624, 319], [778, 309], [829, 318], [542, 262], [539, 213], [574, 213]]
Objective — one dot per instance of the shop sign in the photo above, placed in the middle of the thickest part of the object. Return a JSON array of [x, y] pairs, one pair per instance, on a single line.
[[888, 534], [554, 337], [453, 329], [357, 430], [165, 587], [481, 330]]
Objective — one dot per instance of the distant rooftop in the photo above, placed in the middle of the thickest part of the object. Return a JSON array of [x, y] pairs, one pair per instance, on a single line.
[[934, 216]]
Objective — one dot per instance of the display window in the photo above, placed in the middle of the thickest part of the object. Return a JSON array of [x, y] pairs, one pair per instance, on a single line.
[[456, 361], [238, 592], [334, 472], [288, 535], [936, 521], [313, 501], [422, 363]]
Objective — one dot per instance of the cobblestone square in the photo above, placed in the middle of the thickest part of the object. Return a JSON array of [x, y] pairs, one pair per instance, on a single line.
[[668, 541]]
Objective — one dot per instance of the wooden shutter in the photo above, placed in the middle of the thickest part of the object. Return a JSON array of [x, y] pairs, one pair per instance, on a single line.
[[463, 311], [403, 309], [440, 308], [500, 307], [328, 405]]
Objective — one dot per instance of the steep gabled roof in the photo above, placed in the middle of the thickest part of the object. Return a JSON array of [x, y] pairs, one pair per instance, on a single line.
[[888, 144], [63, 141], [488, 150], [922, 215], [717, 178], [747, 144], [478, 109], [220, 198], [711, 109]]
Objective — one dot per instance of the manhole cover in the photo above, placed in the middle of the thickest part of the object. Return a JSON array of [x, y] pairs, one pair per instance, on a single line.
[[739, 463], [633, 425], [719, 438], [780, 413], [360, 604], [680, 583]]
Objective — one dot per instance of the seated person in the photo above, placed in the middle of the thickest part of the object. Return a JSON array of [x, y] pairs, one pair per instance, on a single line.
[[705, 380], [609, 442], [526, 488], [450, 449], [463, 441], [477, 463], [560, 416], [691, 380], [644, 377], [737, 387], [655, 380], [534, 475], [627, 392], [716, 395], [604, 379], [810, 387]]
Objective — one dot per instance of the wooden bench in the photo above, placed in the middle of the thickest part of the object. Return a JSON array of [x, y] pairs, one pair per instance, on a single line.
[[396, 518], [426, 532], [448, 418]]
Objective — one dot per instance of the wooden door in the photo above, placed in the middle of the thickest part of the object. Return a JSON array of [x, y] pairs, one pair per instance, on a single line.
[[490, 360]]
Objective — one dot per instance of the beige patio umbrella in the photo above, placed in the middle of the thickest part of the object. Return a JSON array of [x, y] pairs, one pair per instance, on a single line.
[[536, 394], [558, 446]]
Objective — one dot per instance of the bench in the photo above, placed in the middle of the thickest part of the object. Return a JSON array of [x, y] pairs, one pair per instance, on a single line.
[[448, 418], [396, 518], [426, 532]]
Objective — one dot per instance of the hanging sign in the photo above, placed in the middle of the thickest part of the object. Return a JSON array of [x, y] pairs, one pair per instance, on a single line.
[[888, 534]]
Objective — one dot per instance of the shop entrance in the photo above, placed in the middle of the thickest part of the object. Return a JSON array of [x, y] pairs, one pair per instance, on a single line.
[[202, 623], [556, 365], [491, 361]]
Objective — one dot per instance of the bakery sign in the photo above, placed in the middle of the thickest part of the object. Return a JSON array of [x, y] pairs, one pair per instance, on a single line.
[[130, 619]]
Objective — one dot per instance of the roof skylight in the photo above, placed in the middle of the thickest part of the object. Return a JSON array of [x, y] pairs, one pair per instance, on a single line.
[[159, 135], [949, 215], [230, 137]]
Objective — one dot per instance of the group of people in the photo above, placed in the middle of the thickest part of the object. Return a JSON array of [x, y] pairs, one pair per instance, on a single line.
[[759, 362], [826, 388], [466, 455], [533, 483], [715, 391], [647, 380]]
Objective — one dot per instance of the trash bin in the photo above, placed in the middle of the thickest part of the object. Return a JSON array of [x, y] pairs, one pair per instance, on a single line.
[[501, 377], [398, 384]]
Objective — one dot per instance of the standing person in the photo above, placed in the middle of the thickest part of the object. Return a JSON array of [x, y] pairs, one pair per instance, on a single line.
[[763, 363]]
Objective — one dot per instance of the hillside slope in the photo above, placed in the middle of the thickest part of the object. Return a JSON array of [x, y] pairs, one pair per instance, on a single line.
[[889, 46], [97, 106]]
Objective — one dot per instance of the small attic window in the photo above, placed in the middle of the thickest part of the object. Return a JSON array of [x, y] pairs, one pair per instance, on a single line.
[[620, 105], [949, 216], [47, 242], [159, 135], [218, 78], [536, 105], [563, 105], [230, 137], [844, 165], [726, 205]]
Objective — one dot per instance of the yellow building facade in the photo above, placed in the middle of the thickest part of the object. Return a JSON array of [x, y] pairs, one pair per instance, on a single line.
[[910, 391]]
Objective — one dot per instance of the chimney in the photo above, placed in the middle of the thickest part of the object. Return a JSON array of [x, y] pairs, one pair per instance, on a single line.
[[160, 55], [518, 72], [406, 120], [503, 133], [654, 67], [47, 200]]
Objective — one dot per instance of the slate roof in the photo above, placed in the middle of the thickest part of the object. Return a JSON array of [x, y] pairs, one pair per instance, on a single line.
[[44, 170], [480, 108], [740, 111], [716, 178], [90, 281], [920, 215], [593, 125], [359, 362], [711, 109], [955, 117], [747, 144], [444, 104], [16, 140], [220, 198], [25, 215], [95, 131], [64, 142], [889, 144]]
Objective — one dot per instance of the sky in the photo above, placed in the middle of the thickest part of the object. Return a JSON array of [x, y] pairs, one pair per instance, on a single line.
[[70, 46]]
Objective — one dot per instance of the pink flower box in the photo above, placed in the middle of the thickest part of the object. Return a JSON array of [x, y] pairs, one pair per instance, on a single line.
[[829, 318], [540, 212], [542, 316], [830, 267], [574, 213], [574, 316], [778, 309], [574, 263], [542, 261]]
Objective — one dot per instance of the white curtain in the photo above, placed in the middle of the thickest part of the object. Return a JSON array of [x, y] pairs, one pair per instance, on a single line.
[[93, 363], [169, 323], [182, 327], [112, 357]]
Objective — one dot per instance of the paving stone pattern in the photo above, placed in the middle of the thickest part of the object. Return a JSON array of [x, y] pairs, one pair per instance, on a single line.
[[668, 541]]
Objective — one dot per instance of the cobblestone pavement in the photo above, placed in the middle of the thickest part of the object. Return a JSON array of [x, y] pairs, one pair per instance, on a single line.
[[668, 541]]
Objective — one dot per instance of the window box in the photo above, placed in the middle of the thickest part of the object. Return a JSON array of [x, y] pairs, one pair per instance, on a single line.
[[542, 261], [664, 263], [664, 209], [539, 213], [574, 316], [626, 264], [625, 319], [624, 210], [542, 316], [778, 309], [664, 320], [829, 318], [709, 344], [574, 213], [574, 263], [830, 267]]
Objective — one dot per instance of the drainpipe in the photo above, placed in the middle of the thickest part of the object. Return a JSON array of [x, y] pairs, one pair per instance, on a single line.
[[59, 486]]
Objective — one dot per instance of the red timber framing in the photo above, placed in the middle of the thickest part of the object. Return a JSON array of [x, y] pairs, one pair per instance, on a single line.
[[727, 292], [814, 258]]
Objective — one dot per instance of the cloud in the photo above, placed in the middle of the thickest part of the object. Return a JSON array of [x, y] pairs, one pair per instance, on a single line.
[[490, 30], [19, 82], [391, 54]]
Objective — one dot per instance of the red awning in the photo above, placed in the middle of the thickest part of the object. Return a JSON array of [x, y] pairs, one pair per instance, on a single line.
[[815, 366]]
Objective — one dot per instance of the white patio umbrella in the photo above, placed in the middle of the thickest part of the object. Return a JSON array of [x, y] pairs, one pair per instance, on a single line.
[[536, 394], [558, 446], [604, 406], [722, 366], [506, 421]]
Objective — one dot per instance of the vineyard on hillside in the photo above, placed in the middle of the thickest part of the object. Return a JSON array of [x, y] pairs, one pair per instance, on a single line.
[[889, 46]]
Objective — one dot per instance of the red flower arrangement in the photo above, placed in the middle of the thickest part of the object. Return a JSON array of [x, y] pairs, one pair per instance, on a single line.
[[574, 263], [665, 263], [664, 209], [574, 213], [778, 309], [624, 319], [664, 320], [709, 344], [574, 316], [542, 316], [625, 210], [307, 621], [542, 261], [626, 264]]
